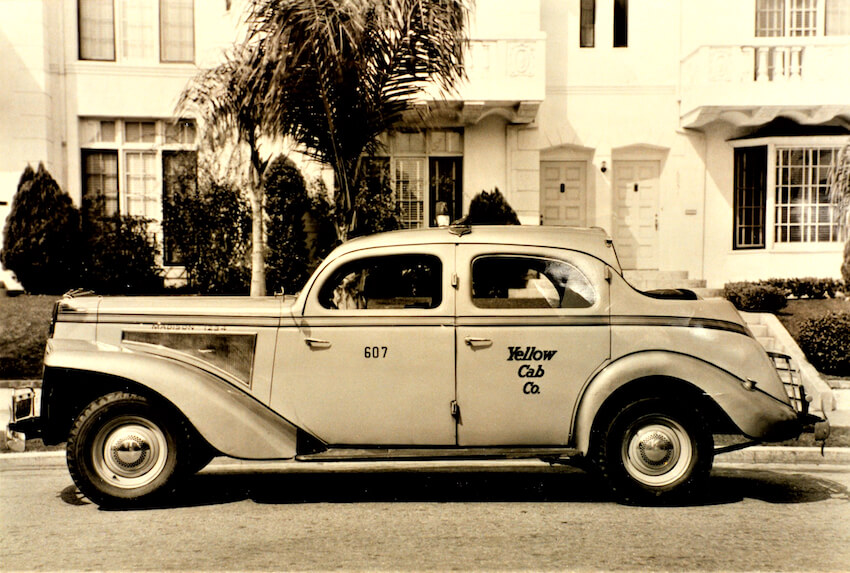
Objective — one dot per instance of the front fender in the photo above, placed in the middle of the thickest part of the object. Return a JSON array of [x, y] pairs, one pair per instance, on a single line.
[[756, 414], [232, 421]]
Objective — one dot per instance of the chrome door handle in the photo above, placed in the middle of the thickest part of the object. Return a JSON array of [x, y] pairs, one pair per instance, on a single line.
[[477, 342], [317, 343]]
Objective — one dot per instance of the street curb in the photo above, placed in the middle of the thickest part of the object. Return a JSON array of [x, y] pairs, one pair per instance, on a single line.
[[756, 455]]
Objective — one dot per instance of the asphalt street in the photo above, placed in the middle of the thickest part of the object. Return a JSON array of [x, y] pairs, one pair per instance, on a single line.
[[506, 515]]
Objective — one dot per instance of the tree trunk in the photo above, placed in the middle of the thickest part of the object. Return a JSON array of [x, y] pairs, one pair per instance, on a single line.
[[258, 243]]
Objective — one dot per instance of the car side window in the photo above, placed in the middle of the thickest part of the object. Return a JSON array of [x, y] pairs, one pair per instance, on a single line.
[[503, 281], [387, 282]]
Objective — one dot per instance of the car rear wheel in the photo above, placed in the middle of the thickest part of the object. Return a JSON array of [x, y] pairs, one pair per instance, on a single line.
[[123, 450], [655, 451]]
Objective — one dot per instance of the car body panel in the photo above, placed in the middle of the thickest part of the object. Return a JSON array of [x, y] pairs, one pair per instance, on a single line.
[[526, 365], [228, 418], [754, 412], [371, 375]]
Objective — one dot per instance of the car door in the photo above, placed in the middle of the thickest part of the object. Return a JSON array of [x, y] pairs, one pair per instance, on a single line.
[[532, 326], [371, 360]]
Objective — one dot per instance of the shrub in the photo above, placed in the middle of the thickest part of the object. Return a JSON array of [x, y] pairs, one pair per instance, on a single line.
[[375, 208], [845, 267], [321, 233], [490, 208], [42, 235], [755, 297], [214, 241], [807, 287], [121, 256], [826, 341], [287, 202]]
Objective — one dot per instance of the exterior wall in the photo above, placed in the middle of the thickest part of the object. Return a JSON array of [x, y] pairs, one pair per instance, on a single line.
[[484, 157], [30, 102], [691, 80], [722, 262]]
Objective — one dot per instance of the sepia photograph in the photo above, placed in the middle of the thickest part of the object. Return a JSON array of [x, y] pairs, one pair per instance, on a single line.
[[425, 285]]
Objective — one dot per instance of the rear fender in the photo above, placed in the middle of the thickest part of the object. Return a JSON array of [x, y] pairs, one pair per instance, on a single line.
[[232, 422], [756, 414]]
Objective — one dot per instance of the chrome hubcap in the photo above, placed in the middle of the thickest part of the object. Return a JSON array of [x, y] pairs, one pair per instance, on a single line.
[[129, 452], [657, 451]]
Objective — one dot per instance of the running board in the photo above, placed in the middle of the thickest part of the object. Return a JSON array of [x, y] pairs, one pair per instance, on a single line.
[[429, 454]]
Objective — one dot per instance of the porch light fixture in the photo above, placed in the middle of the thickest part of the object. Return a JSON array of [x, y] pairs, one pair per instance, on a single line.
[[604, 167]]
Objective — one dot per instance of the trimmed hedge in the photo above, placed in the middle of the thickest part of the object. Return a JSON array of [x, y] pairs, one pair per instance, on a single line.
[[755, 297], [807, 287], [826, 341]]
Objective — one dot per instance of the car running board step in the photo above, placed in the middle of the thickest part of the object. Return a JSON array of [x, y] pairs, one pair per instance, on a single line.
[[425, 454]]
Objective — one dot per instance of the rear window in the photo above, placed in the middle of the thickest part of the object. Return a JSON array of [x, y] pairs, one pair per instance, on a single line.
[[504, 281]]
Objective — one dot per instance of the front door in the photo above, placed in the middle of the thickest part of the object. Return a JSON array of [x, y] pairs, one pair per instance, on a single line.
[[563, 193], [636, 213], [532, 327], [371, 362]]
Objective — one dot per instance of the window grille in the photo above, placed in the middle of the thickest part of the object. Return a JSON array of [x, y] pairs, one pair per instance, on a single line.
[[804, 212], [802, 18], [750, 193]]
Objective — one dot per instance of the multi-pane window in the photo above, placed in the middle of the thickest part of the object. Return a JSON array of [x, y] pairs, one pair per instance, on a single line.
[[588, 24], [804, 212], [137, 30], [802, 18], [410, 190], [797, 18], [96, 20], [177, 30], [134, 167], [140, 189], [770, 18], [139, 131], [782, 196], [100, 182], [750, 194], [425, 168], [837, 18]]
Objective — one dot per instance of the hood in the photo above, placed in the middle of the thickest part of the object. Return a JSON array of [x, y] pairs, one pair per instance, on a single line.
[[173, 308]]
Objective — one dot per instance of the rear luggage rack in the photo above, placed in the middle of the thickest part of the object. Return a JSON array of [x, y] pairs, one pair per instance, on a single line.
[[792, 381]]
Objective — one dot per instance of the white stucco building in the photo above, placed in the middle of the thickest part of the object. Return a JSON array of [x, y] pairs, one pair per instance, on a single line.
[[697, 133]]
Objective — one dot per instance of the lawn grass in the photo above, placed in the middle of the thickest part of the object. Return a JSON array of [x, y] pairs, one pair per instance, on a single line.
[[24, 322]]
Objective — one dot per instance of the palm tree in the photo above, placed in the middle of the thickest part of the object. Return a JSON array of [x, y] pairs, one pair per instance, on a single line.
[[839, 185], [336, 74], [231, 115]]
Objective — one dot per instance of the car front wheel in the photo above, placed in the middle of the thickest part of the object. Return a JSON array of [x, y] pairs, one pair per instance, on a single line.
[[123, 450], [655, 451]]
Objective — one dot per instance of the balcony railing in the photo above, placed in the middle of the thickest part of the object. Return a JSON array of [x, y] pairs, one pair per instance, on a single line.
[[504, 72], [780, 72]]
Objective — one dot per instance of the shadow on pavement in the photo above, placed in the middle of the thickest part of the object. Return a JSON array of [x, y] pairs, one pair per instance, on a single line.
[[733, 485], [557, 485]]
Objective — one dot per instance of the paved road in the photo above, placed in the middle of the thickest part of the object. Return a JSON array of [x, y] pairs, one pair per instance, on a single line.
[[478, 516]]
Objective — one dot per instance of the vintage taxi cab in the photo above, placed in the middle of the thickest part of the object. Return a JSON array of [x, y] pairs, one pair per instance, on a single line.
[[481, 342]]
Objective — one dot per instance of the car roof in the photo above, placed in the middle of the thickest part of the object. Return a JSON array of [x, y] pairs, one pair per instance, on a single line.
[[591, 240]]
